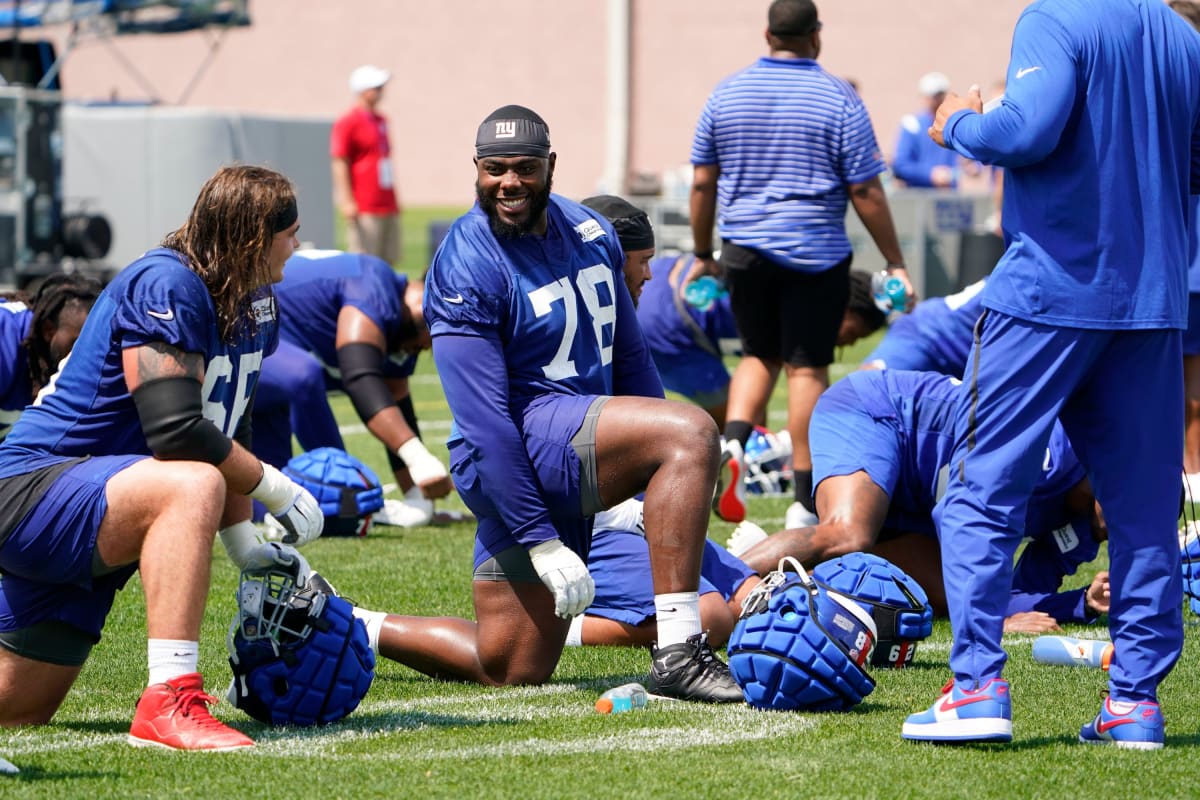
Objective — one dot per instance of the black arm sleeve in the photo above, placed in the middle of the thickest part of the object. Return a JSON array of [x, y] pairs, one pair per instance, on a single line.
[[362, 376], [173, 421], [244, 434]]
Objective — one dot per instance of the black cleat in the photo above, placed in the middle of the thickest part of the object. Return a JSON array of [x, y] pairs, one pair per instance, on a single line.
[[691, 671]]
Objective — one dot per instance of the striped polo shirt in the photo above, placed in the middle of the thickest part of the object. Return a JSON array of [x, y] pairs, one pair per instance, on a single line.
[[789, 138]]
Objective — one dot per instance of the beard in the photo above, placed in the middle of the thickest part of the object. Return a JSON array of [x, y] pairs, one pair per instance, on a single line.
[[515, 230]]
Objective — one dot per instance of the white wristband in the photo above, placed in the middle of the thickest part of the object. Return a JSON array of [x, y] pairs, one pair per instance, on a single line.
[[276, 491], [423, 466], [239, 540]]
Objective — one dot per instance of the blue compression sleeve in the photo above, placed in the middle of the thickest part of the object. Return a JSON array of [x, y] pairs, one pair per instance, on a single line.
[[474, 377]]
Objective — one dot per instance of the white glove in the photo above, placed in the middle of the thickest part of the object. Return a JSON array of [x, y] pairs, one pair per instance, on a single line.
[[292, 506], [247, 550], [423, 466], [564, 574], [624, 516]]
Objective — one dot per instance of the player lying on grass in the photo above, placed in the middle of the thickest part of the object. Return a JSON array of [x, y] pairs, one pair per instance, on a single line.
[[559, 414], [132, 460], [881, 444], [623, 612], [36, 332], [348, 321]]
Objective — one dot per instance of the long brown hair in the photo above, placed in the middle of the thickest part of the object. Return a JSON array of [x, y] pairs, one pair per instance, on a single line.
[[227, 238], [54, 295]]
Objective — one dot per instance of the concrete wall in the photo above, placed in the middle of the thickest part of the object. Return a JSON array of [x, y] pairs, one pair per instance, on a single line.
[[457, 60]]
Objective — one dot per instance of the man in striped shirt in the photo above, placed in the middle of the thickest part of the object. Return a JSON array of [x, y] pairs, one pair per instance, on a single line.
[[779, 150]]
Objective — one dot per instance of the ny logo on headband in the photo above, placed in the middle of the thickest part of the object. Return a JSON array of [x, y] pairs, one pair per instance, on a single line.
[[506, 129]]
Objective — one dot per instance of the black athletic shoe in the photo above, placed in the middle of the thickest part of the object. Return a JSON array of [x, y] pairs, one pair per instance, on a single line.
[[691, 671]]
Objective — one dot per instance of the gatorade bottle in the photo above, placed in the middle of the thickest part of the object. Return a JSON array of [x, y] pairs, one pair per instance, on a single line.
[[627, 697], [703, 292], [1072, 652], [888, 291]]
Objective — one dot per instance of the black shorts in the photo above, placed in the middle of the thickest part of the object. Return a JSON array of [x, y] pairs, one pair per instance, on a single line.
[[782, 314]]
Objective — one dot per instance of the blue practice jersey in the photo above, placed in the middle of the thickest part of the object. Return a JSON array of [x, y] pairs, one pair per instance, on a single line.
[[16, 389], [1071, 191], [673, 327], [935, 337], [317, 284], [519, 320], [88, 410], [1194, 246]]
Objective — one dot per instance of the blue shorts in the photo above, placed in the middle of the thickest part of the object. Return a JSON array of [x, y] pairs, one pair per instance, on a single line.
[[620, 565], [846, 438], [1191, 335], [699, 376], [550, 425], [48, 559]]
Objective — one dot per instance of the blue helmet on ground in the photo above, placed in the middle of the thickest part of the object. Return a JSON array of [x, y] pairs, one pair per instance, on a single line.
[[768, 458], [299, 656], [897, 603], [1189, 551], [346, 489], [798, 646]]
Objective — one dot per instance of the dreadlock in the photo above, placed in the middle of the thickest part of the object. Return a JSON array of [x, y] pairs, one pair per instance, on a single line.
[[55, 293], [227, 238]]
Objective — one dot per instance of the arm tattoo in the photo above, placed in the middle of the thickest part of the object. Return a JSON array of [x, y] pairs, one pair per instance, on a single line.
[[160, 360]]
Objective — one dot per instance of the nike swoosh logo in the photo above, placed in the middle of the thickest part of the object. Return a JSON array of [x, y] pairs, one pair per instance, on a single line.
[[949, 705], [458, 298], [1102, 726], [1021, 73], [165, 316]]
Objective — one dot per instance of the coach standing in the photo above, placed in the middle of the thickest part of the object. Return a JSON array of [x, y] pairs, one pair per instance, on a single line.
[[1099, 135], [780, 148]]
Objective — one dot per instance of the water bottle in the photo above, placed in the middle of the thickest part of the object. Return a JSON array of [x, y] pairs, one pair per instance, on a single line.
[[627, 697], [1072, 652], [889, 292], [703, 292]]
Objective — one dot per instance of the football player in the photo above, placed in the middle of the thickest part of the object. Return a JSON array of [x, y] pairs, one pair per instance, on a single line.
[[135, 456], [622, 612], [881, 445], [349, 322], [35, 334], [559, 414]]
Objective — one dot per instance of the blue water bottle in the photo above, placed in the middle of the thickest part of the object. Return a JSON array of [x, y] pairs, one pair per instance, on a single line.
[[889, 292], [1072, 652], [703, 292], [627, 697]]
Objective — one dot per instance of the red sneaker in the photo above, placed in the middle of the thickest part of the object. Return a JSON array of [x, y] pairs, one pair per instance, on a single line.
[[175, 715], [729, 499]]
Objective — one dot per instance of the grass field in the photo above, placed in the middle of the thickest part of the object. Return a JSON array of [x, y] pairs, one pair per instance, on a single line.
[[420, 738]]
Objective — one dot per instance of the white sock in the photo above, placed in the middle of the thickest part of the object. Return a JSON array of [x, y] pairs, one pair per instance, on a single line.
[[677, 615], [575, 632], [170, 658], [374, 622]]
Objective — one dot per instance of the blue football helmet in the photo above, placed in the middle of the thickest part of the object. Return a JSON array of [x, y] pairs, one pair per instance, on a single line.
[[346, 489], [299, 656], [897, 603], [768, 463], [799, 646]]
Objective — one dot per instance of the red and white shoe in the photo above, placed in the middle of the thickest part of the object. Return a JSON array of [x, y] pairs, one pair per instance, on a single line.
[[729, 499], [175, 715]]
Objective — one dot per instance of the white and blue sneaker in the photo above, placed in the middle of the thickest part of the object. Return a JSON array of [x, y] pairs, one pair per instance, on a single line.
[[1134, 726], [965, 715]]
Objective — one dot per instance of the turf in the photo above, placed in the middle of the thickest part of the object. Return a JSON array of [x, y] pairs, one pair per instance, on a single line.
[[417, 737]]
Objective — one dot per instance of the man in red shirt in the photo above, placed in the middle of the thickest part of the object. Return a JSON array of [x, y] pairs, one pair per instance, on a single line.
[[364, 191]]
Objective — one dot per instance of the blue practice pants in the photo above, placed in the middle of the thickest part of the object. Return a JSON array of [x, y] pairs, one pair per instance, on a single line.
[[1119, 395]]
